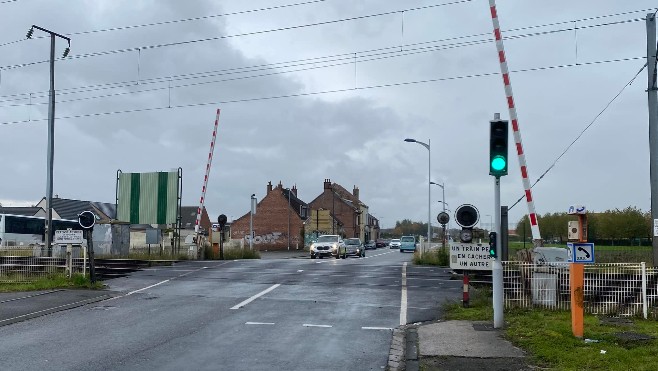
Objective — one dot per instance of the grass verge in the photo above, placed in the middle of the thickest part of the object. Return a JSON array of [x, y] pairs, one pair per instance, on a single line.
[[438, 257], [54, 281], [547, 337], [230, 254]]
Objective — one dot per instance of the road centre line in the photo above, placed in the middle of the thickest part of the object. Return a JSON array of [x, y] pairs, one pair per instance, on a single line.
[[242, 304], [403, 296], [310, 325], [377, 328], [259, 323]]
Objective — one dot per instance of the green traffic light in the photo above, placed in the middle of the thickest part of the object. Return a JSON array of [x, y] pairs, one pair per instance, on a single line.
[[498, 163]]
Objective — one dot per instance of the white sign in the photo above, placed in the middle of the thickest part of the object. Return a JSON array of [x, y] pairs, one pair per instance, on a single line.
[[470, 256], [577, 209], [68, 236], [582, 252], [655, 227]]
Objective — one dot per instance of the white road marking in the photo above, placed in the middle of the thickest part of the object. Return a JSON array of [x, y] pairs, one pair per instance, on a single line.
[[148, 287], [310, 325], [377, 328], [256, 296], [403, 297], [300, 270], [259, 323]]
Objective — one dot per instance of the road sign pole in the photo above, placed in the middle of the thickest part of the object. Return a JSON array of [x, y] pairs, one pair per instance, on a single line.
[[497, 268]]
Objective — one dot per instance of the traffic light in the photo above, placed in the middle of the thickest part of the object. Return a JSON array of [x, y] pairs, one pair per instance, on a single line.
[[498, 148], [493, 248]]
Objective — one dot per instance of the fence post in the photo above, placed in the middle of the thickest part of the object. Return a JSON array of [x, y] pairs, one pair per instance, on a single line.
[[645, 304]]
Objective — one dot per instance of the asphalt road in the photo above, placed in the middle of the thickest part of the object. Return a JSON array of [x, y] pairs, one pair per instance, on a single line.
[[278, 314]]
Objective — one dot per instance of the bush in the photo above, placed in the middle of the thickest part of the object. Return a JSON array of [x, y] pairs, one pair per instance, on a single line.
[[439, 257]]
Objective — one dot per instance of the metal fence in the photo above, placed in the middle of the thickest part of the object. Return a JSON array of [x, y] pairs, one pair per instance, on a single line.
[[24, 264], [623, 289]]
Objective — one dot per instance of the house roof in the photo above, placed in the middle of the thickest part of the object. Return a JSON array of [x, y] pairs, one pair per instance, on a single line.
[[188, 216], [25, 211], [295, 202], [347, 195], [69, 209]]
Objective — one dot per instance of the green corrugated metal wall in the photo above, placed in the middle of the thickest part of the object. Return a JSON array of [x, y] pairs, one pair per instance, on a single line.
[[148, 198]]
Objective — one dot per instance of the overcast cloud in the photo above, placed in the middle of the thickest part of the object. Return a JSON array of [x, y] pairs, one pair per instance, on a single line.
[[353, 137]]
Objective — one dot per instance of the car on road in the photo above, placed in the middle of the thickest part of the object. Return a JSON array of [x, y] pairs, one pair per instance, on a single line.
[[394, 244], [381, 243], [370, 245], [353, 247], [326, 245], [407, 243]]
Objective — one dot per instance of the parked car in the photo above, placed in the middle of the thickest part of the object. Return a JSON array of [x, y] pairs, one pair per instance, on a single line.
[[326, 245], [370, 245], [407, 243], [353, 247], [394, 244], [381, 243]]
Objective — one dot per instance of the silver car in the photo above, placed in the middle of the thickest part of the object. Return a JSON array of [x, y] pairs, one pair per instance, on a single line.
[[394, 244], [353, 247]]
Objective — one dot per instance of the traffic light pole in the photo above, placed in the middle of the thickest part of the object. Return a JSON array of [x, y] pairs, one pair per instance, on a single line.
[[652, 91], [497, 269]]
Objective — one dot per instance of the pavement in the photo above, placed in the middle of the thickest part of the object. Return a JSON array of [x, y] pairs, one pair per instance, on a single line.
[[454, 345]]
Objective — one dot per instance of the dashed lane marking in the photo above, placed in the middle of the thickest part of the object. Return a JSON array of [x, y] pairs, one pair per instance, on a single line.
[[259, 323], [242, 304], [311, 325]]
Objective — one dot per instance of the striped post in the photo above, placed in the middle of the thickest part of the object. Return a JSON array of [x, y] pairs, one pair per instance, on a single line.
[[205, 178], [534, 225]]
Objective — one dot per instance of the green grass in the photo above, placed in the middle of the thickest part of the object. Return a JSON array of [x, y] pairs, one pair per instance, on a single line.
[[438, 257], [547, 337], [54, 281]]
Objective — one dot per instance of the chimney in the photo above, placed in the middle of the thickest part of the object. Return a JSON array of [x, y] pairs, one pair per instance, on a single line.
[[355, 192], [269, 187], [327, 184], [280, 186], [294, 190]]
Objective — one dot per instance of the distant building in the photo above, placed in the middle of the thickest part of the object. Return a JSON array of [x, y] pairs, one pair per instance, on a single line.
[[24, 211], [277, 213], [351, 214]]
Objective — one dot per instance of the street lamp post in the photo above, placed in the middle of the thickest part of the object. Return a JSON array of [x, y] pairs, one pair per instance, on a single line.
[[443, 201], [429, 197], [51, 130]]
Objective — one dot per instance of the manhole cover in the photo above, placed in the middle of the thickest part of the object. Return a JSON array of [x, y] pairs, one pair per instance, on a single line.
[[632, 336], [483, 327], [617, 321]]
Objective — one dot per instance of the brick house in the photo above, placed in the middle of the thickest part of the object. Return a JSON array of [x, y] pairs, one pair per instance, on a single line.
[[277, 213], [351, 214]]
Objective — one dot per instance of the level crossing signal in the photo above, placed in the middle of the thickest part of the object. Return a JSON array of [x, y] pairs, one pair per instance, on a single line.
[[498, 148], [493, 247]]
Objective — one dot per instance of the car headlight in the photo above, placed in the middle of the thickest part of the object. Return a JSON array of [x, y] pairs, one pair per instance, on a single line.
[[335, 246], [312, 247]]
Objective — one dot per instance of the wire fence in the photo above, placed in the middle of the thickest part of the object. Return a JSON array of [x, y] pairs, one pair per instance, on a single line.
[[24, 264], [620, 289]]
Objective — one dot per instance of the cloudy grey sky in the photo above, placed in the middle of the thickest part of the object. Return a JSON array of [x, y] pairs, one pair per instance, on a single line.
[[418, 72]]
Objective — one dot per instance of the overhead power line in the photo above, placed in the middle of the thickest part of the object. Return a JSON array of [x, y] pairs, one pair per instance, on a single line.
[[128, 27], [362, 56], [216, 38], [298, 95], [583, 131]]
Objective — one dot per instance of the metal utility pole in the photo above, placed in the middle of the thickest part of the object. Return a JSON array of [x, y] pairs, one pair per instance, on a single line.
[[51, 131], [497, 269], [652, 90], [251, 221], [288, 218]]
